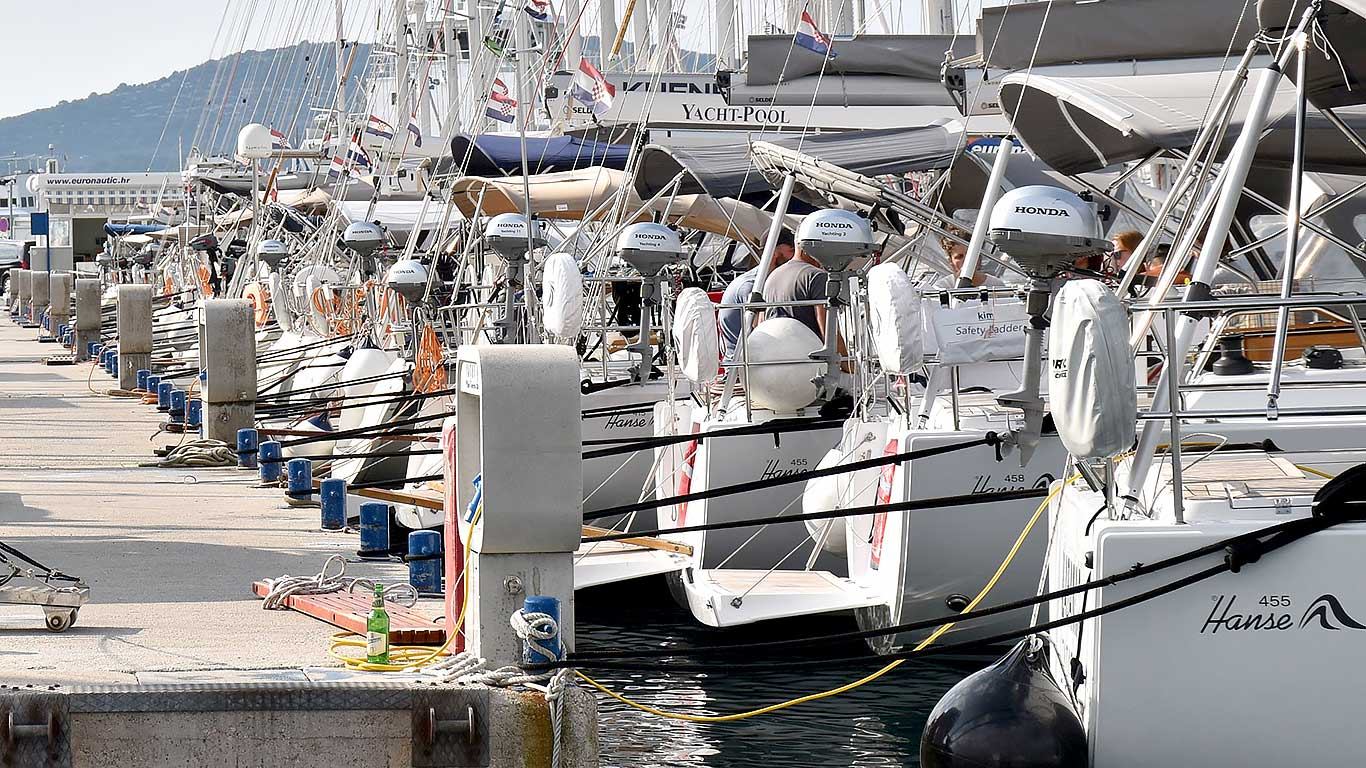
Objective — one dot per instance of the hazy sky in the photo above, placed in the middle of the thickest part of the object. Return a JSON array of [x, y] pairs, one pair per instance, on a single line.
[[68, 49]]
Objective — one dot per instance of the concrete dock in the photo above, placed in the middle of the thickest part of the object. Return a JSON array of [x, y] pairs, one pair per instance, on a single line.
[[170, 556]]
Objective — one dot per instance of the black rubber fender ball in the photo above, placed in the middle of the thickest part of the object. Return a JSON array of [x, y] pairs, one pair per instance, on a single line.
[[1010, 715]]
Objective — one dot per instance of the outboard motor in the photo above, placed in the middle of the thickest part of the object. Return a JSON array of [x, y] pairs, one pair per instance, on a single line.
[[1013, 713], [513, 237], [272, 253], [208, 244], [834, 237], [650, 248], [364, 238], [1044, 230], [408, 278]]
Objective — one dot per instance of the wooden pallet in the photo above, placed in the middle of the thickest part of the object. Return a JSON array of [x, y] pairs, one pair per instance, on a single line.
[[351, 611]]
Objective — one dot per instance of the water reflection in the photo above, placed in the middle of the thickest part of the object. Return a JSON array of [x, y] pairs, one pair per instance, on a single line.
[[877, 725]]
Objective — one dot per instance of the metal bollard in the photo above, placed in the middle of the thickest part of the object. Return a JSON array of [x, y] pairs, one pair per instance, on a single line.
[[332, 492], [177, 411], [248, 441], [164, 396], [551, 607], [113, 369], [374, 531], [299, 479], [424, 561], [269, 458], [143, 373], [194, 412], [153, 381]]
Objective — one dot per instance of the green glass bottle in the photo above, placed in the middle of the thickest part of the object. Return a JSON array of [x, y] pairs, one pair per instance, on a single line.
[[377, 630]]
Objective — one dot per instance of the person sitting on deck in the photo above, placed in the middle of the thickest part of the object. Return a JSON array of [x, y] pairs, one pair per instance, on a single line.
[[742, 287]]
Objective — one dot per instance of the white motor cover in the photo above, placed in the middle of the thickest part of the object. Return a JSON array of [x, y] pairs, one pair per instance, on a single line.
[[408, 278], [562, 296], [1092, 391], [695, 336], [894, 308], [1040, 209], [783, 388]]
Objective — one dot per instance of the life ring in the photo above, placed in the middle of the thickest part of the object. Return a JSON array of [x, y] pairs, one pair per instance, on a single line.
[[260, 303]]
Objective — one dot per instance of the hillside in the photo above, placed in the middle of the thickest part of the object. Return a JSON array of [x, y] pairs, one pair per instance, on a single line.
[[118, 130]]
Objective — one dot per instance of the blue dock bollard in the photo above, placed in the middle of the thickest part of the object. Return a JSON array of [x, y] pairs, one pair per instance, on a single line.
[[177, 412], [143, 374], [374, 531], [164, 396], [272, 466], [332, 492], [153, 381], [299, 480], [111, 363], [425, 562], [536, 648], [194, 413], [247, 443]]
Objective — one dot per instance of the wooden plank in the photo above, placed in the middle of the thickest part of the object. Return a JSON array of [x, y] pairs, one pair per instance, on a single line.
[[351, 612], [424, 500], [648, 542]]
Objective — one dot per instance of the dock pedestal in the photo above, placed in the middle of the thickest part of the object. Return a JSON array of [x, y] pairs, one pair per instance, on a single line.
[[135, 333], [228, 349], [88, 316], [60, 300]]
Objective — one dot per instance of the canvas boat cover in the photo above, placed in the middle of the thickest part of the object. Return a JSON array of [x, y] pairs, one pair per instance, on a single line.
[[1338, 79], [1008, 36], [873, 70], [1078, 124], [491, 154], [573, 195], [725, 170]]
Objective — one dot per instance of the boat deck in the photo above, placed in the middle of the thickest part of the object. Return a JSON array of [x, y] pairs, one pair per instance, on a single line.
[[169, 554]]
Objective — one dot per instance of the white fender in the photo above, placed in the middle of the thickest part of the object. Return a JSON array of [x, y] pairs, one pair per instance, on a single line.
[[1092, 392], [695, 335], [894, 314], [562, 296], [788, 387]]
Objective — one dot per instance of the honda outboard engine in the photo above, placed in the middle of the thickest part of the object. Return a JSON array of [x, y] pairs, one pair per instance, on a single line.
[[1044, 230], [650, 248], [408, 278], [834, 238], [363, 237], [272, 253], [513, 237]]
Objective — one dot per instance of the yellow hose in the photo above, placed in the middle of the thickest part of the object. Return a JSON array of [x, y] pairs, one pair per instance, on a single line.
[[404, 657], [927, 642]]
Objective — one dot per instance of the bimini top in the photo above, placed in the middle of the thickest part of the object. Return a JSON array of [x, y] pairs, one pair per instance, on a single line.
[[501, 154], [1338, 79], [1085, 123], [726, 170]]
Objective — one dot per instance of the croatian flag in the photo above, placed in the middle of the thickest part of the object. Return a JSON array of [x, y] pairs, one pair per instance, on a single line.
[[592, 89], [377, 127], [357, 157], [501, 106], [810, 38], [278, 141], [415, 131], [538, 9]]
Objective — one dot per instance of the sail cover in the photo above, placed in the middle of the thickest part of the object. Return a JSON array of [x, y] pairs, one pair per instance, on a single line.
[[725, 170], [1078, 124], [492, 154], [1338, 79]]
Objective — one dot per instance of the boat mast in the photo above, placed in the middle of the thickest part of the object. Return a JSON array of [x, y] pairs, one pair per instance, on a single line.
[[400, 119], [725, 34], [452, 47], [939, 17], [607, 31], [339, 107]]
